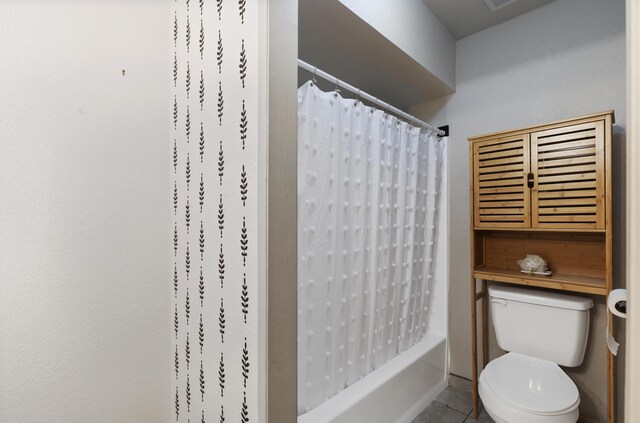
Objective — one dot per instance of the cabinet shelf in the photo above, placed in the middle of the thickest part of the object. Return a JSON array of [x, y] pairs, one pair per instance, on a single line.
[[542, 230], [559, 281]]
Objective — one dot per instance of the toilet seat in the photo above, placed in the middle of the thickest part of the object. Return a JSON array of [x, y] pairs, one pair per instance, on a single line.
[[516, 388]]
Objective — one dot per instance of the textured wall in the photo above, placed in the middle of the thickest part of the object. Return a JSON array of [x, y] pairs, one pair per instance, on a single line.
[[84, 244], [214, 142], [561, 60]]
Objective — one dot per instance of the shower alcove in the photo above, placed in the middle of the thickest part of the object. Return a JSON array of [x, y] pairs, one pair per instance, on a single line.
[[372, 262], [372, 221]]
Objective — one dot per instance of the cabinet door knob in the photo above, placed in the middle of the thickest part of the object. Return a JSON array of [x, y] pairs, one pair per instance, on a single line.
[[530, 180]]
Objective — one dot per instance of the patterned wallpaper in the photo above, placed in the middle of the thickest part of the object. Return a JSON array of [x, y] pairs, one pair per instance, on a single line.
[[214, 148]]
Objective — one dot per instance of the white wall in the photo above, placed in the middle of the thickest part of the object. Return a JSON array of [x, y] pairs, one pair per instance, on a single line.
[[85, 327], [411, 26], [562, 60]]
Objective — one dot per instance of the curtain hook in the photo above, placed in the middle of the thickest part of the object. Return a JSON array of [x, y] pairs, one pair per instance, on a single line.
[[315, 73], [386, 107], [336, 91]]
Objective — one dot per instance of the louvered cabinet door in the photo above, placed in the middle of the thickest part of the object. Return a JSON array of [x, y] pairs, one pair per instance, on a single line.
[[568, 164], [501, 196]]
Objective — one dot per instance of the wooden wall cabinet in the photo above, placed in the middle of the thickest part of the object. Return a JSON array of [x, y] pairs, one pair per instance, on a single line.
[[542, 190], [548, 178]]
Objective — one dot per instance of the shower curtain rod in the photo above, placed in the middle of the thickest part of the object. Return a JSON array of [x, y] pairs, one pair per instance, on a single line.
[[361, 94]]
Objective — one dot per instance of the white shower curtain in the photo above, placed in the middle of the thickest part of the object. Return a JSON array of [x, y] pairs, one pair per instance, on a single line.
[[368, 189]]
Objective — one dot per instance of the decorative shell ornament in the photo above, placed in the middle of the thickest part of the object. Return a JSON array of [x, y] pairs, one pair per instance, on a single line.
[[534, 264]]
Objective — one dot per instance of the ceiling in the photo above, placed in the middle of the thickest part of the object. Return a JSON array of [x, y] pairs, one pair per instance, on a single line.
[[465, 17]]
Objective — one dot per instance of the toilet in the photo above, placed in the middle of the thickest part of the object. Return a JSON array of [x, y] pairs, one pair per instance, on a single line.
[[541, 331]]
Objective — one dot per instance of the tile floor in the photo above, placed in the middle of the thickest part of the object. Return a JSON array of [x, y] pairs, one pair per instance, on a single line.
[[453, 405]]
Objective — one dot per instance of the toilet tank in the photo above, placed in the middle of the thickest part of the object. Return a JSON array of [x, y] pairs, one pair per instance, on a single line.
[[541, 324]]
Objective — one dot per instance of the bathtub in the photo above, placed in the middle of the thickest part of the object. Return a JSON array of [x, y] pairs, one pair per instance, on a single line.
[[393, 393]]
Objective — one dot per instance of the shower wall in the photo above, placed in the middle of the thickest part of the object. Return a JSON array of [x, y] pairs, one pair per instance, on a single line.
[[215, 128]]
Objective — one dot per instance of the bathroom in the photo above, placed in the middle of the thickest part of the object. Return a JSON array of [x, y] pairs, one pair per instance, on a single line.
[[150, 256]]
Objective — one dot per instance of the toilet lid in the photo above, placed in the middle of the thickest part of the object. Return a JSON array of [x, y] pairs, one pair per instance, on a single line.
[[531, 384]]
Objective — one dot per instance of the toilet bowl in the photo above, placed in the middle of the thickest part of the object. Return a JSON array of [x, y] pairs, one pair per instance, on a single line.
[[541, 330], [516, 388]]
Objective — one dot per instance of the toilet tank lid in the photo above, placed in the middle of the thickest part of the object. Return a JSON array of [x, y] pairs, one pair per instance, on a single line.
[[536, 296]]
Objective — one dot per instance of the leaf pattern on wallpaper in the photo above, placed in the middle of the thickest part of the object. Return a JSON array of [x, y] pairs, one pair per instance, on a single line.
[[175, 240], [244, 414], [175, 158], [188, 171], [221, 375], [188, 393], [201, 288], [221, 267], [244, 298], [188, 34], [187, 215], [175, 321], [221, 218], [220, 103], [187, 124], [244, 241], [175, 112], [175, 70], [175, 282], [177, 405], [187, 352], [201, 39], [175, 29], [243, 125], [192, 76], [187, 312], [201, 334], [221, 321], [201, 192], [245, 362], [201, 241], [243, 186], [187, 82], [201, 92], [201, 144], [187, 261], [175, 198], [242, 6], [201, 379], [243, 64], [176, 363], [221, 163], [220, 52]]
